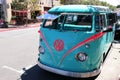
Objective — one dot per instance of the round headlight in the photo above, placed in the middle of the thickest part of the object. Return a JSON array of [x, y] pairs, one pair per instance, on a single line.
[[81, 57], [41, 50]]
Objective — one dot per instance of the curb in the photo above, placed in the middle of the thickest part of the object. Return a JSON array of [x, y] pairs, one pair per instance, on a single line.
[[19, 27]]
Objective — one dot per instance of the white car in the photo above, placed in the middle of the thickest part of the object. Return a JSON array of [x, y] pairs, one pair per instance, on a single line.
[[117, 31], [118, 22]]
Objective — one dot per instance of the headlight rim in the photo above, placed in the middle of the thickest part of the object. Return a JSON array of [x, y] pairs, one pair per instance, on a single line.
[[81, 53], [42, 50]]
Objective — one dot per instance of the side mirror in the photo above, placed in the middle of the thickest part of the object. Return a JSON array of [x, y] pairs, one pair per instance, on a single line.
[[107, 29]]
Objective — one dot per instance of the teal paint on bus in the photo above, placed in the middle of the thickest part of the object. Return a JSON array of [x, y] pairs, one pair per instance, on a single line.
[[78, 9]]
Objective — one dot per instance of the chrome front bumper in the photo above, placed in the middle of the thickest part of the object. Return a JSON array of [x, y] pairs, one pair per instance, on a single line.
[[68, 73]]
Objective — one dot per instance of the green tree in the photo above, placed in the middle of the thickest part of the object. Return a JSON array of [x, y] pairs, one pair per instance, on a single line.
[[25, 4], [22, 0], [33, 5], [16, 5], [118, 6], [87, 2], [69, 2]]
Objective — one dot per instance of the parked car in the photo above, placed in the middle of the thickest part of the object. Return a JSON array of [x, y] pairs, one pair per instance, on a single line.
[[117, 31], [3, 24]]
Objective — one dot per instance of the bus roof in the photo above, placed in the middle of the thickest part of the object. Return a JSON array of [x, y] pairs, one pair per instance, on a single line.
[[78, 9]]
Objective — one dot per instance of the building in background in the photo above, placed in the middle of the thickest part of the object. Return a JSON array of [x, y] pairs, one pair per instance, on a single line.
[[44, 6], [5, 10], [47, 4]]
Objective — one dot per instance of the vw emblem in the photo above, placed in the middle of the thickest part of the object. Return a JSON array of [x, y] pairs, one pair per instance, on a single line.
[[58, 44]]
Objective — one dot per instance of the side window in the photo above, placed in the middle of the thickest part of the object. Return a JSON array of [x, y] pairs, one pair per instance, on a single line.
[[61, 18], [71, 19], [103, 21], [111, 19], [100, 22], [79, 20], [85, 20]]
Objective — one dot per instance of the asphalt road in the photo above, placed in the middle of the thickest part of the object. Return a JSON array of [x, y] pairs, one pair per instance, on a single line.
[[18, 58]]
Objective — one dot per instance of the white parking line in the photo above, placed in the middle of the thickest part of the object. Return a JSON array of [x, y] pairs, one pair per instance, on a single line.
[[119, 77], [17, 71], [12, 69]]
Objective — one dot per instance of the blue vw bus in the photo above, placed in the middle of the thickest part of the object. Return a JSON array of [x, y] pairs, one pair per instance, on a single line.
[[75, 39]]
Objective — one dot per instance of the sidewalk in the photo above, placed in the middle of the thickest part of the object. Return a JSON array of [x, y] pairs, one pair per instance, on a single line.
[[15, 27]]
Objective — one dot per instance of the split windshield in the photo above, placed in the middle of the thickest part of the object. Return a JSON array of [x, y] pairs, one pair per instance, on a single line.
[[70, 21]]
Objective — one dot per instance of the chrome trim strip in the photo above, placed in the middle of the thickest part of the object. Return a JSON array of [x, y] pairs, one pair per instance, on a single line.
[[68, 73]]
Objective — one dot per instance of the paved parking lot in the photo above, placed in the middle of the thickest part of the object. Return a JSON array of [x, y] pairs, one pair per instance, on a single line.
[[111, 67]]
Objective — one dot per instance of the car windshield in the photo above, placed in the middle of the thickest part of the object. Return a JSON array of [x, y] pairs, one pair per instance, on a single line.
[[70, 21]]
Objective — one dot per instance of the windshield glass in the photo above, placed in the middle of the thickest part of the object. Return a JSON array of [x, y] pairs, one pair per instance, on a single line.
[[70, 21], [47, 16]]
